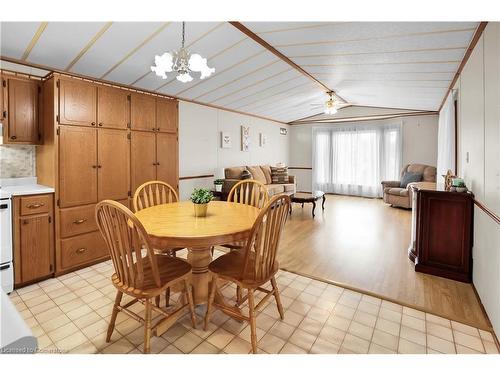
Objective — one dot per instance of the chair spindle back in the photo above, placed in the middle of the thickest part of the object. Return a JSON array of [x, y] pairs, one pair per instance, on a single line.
[[250, 192], [153, 193], [127, 243], [262, 246]]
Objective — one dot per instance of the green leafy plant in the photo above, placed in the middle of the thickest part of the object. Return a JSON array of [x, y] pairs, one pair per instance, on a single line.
[[218, 181], [201, 196]]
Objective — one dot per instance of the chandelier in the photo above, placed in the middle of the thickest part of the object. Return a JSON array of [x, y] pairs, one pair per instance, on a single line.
[[182, 62]]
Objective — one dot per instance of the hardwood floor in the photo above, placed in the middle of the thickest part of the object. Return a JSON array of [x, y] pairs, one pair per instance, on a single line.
[[362, 243]]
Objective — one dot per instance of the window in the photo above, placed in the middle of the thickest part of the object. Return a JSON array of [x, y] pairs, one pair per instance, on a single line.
[[354, 159]]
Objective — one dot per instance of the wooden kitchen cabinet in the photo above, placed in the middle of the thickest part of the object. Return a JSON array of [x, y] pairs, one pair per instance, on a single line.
[[21, 110], [100, 142], [142, 158], [33, 238], [142, 112], [77, 166], [77, 102], [167, 115], [167, 160], [113, 176], [154, 156], [3, 107], [113, 109]]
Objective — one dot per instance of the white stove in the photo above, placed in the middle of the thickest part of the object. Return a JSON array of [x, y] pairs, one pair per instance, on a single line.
[[6, 267]]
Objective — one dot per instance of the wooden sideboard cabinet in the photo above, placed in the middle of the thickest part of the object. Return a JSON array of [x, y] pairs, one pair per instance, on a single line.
[[442, 225], [33, 238]]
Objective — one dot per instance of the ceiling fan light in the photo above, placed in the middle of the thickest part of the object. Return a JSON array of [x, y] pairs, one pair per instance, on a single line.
[[330, 110]]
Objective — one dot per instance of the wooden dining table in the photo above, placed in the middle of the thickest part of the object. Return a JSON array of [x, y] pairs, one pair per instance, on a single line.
[[174, 225]]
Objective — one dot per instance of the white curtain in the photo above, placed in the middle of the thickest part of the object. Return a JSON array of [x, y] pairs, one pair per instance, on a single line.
[[446, 136], [353, 159]]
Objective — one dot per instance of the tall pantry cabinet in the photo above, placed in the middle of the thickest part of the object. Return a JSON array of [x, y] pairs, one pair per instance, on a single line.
[[101, 142]]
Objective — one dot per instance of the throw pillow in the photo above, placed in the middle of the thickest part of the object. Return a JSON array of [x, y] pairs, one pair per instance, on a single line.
[[257, 174], [409, 177], [245, 175], [279, 175], [267, 172]]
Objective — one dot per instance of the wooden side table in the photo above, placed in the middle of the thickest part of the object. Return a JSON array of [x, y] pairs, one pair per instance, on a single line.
[[302, 198], [220, 195]]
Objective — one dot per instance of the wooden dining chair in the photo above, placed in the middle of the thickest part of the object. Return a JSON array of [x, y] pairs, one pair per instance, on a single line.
[[250, 192], [253, 266], [153, 193], [139, 272], [253, 193]]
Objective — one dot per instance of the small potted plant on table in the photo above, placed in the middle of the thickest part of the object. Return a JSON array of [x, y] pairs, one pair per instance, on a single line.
[[201, 198], [218, 184]]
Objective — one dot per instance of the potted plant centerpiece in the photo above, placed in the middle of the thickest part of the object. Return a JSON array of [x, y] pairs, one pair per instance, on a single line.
[[201, 198], [218, 184]]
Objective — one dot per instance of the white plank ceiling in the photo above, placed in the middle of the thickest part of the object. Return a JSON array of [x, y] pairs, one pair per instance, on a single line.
[[384, 64]]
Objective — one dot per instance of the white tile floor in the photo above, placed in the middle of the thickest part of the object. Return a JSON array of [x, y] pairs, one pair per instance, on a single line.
[[70, 314]]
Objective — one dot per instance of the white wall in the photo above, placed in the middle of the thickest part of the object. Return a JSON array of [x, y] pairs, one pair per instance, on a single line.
[[479, 161], [200, 151], [419, 146]]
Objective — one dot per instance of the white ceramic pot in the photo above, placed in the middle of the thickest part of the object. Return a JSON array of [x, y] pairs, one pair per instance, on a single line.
[[218, 187]]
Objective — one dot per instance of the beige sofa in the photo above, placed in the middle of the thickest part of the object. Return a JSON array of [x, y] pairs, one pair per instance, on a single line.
[[401, 197], [260, 173]]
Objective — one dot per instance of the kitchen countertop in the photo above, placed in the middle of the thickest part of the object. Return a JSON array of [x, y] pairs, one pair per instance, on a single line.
[[11, 187]]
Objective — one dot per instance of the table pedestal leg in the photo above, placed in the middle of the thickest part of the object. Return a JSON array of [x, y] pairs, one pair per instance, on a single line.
[[200, 258]]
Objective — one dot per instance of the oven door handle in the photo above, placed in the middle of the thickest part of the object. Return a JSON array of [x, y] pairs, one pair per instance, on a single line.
[[4, 267]]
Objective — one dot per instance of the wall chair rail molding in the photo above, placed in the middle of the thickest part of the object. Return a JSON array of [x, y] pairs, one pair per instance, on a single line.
[[487, 211], [196, 177]]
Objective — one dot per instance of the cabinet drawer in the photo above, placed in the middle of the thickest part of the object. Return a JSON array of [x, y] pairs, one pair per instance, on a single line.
[[82, 249], [77, 220], [35, 204]]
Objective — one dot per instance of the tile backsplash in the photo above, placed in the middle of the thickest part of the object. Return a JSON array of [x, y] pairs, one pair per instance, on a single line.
[[17, 161]]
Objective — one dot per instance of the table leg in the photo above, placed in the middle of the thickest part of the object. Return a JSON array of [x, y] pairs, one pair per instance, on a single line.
[[200, 258], [323, 203], [314, 207]]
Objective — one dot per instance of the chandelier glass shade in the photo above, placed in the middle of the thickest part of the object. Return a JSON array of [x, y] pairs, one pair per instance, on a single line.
[[182, 62]]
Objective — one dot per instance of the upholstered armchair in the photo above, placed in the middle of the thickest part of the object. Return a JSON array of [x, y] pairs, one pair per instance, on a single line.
[[395, 195]]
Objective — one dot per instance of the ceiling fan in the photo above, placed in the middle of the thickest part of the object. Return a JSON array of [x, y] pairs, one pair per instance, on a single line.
[[331, 106]]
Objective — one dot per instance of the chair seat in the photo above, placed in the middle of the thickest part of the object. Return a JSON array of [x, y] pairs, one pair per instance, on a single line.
[[229, 266], [398, 191], [169, 269]]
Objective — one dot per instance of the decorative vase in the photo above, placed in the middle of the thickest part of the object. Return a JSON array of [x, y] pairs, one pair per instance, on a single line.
[[200, 210], [218, 188]]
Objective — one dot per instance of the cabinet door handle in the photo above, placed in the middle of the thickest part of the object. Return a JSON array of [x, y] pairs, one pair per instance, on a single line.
[[94, 166], [81, 250], [92, 123], [26, 222], [154, 129], [100, 124], [79, 221], [35, 205], [13, 137], [99, 166]]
